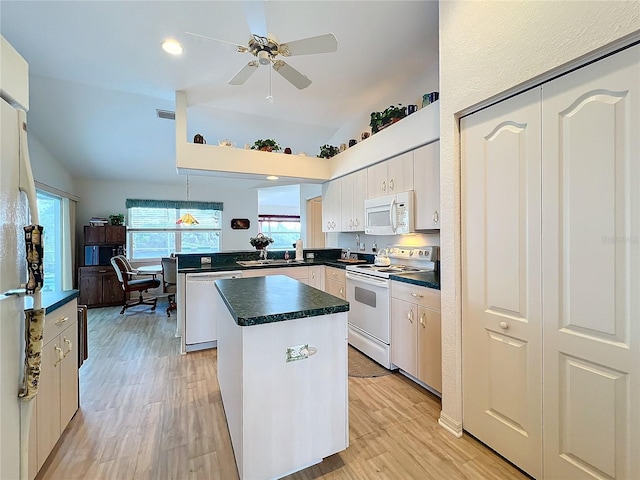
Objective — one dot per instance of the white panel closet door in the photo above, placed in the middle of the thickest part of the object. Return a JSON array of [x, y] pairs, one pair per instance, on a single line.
[[591, 270], [501, 331]]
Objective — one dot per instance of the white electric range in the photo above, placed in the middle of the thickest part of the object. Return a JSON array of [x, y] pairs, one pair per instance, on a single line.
[[368, 294]]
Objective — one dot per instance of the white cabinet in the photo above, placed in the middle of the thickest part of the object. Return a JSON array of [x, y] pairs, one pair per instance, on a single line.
[[316, 277], [415, 332], [546, 290], [392, 176], [354, 193], [426, 186], [57, 398], [335, 282], [331, 206]]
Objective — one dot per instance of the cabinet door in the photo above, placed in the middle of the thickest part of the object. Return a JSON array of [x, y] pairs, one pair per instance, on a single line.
[[359, 196], [426, 185], [68, 374], [48, 400], [346, 207], [377, 180], [501, 298], [94, 235], [112, 292], [404, 321], [316, 277], [116, 234], [429, 348], [331, 200], [400, 173], [90, 286], [335, 288], [591, 230]]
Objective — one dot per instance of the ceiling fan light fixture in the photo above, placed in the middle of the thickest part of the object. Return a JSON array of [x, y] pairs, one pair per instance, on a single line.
[[263, 57], [172, 46]]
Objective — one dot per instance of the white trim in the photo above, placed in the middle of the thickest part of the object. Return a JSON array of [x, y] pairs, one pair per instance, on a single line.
[[53, 190], [450, 425]]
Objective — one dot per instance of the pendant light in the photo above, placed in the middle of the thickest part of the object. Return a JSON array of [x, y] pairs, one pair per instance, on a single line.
[[187, 218]]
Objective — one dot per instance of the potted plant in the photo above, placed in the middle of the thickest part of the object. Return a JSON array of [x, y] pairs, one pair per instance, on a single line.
[[268, 145], [260, 241], [328, 151], [116, 219], [391, 114]]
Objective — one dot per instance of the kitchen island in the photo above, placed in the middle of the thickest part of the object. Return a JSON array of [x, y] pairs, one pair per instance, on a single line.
[[282, 370]]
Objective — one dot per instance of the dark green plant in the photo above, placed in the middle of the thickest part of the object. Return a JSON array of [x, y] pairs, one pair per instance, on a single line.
[[261, 241], [268, 145], [381, 119], [376, 122], [117, 219], [328, 151]]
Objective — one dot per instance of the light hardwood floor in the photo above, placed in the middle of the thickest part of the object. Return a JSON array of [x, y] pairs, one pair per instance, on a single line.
[[147, 412]]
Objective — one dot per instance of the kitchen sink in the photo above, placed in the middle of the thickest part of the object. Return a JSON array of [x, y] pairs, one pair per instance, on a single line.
[[259, 263]]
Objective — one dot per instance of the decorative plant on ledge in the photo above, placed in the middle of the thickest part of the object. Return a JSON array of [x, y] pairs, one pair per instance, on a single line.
[[260, 241], [391, 114], [268, 145], [117, 219], [328, 151]]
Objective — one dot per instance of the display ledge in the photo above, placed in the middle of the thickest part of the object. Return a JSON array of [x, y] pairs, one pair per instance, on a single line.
[[275, 298], [413, 131]]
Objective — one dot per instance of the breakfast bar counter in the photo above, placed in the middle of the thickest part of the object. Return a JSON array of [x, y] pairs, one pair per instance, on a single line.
[[282, 370]]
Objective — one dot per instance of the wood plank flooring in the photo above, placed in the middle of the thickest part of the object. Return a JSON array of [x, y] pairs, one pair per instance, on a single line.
[[146, 412]]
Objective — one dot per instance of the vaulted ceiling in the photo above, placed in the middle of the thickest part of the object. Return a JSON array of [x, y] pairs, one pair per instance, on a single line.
[[98, 74]]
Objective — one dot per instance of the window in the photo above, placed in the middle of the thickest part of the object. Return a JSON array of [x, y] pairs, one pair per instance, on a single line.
[[50, 212], [153, 233], [284, 229]]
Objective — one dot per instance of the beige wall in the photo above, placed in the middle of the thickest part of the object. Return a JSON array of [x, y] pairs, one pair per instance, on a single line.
[[489, 48]]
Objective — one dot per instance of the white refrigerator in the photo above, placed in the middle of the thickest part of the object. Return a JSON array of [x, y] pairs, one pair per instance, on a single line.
[[17, 209]]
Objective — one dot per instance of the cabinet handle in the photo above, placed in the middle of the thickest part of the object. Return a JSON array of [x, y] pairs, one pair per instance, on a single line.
[[357, 223], [351, 223], [417, 295], [102, 271], [391, 186], [422, 319], [342, 291], [60, 355], [68, 342], [435, 217], [504, 325], [313, 274], [384, 185], [410, 316], [328, 225], [61, 320]]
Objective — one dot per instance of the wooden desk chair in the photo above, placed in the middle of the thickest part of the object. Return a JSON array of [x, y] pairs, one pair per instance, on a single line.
[[169, 281], [130, 284]]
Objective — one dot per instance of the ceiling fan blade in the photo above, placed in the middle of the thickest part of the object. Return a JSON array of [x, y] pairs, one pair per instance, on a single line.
[[244, 73], [297, 79], [256, 17], [239, 47], [306, 46]]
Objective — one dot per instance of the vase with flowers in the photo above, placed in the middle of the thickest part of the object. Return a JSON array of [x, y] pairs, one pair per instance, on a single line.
[[260, 241]]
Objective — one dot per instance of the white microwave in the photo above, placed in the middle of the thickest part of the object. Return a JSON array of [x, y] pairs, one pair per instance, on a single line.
[[389, 215]]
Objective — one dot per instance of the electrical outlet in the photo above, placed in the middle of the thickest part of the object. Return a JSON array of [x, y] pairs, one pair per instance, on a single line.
[[205, 260], [354, 256], [310, 255], [361, 246]]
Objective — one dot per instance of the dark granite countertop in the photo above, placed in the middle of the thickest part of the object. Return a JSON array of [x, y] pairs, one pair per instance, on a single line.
[[423, 279], [51, 301], [275, 298]]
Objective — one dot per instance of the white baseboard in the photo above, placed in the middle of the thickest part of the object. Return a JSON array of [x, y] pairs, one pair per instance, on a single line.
[[450, 425]]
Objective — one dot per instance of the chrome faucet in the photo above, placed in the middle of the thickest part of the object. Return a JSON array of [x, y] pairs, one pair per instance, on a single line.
[[263, 254]]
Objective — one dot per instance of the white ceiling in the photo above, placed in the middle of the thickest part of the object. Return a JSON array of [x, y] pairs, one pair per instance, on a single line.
[[98, 74]]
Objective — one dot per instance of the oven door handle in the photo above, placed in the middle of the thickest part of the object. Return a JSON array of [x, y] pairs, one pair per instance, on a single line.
[[369, 281]]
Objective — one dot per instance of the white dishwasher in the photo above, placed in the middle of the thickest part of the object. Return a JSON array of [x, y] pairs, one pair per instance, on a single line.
[[201, 327]]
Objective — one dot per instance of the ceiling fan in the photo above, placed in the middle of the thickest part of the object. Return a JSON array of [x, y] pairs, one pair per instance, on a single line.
[[267, 49]]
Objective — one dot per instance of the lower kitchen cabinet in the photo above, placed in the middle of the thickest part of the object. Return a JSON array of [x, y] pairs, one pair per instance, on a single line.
[[57, 399], [99, 286], [335, 282], [416, 345], [316, 277]]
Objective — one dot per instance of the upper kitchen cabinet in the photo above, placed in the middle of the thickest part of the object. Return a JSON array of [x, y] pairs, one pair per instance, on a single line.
[[331, 206], [393, 176], [354, 193], [426, 185]]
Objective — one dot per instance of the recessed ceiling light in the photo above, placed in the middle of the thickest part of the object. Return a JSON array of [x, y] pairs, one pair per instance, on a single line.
[[172, 46], [272, 177]]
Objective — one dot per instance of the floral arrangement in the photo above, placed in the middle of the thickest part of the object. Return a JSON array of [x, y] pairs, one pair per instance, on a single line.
[[328, 151], [260, 241]]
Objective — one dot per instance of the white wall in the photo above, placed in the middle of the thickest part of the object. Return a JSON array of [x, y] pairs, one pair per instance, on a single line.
[[488, 48], [103, 198], [47, 169]]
